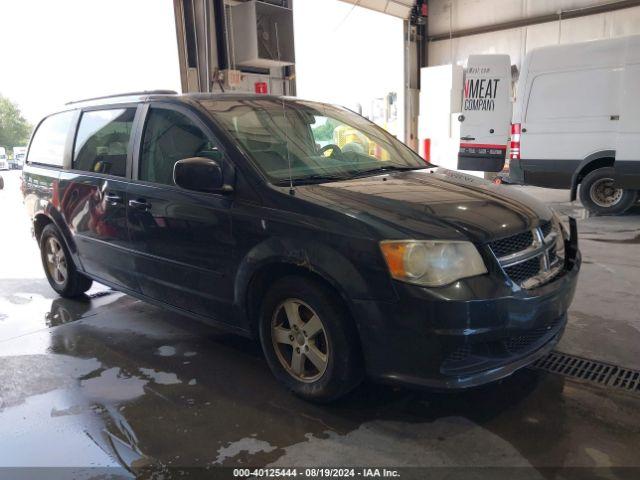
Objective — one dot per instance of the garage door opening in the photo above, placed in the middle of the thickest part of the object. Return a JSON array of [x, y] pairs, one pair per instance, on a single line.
[[351, 56]]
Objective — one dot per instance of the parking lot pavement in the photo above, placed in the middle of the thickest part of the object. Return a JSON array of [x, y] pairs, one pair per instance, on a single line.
[[109, 381]]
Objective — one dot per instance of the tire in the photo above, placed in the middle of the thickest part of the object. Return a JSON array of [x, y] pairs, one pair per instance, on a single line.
[[598, 195], [1, 182], [56, 260], [337, 340]]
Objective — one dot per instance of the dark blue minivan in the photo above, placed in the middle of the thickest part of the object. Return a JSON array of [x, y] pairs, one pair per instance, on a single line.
[[306, 226]]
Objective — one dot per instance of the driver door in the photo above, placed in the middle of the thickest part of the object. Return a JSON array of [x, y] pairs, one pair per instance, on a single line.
[[182, 238]]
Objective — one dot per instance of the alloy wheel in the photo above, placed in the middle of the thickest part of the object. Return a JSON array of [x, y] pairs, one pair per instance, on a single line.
[[56, 261], [300, 340]]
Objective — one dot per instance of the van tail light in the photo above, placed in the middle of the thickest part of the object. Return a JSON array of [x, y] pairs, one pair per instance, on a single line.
[[514, 145]]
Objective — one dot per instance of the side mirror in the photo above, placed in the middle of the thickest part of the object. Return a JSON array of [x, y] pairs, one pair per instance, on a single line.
[[200, 174]]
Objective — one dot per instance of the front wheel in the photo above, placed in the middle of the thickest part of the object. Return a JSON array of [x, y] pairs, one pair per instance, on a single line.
[[309, 340], [599, 195], [59, 268]]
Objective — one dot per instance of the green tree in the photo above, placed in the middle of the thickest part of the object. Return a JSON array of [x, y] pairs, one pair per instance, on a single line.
[[14, 129], [325, 131]]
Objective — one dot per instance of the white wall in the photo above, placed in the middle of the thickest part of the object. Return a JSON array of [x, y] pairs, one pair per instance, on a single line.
[[463, 14]]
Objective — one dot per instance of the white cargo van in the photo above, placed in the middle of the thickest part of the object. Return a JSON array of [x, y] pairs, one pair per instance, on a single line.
[[4, 164], [576, 122], [19, 154]]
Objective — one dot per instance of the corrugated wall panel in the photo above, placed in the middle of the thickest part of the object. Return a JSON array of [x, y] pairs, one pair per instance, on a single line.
[[516, 42], [478, 13]]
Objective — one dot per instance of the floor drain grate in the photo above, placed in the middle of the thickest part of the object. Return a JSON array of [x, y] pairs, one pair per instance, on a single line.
[[627, 379], [593, 371]]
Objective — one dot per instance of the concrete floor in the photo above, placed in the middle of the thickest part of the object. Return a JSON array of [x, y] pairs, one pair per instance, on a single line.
[[113, 382]]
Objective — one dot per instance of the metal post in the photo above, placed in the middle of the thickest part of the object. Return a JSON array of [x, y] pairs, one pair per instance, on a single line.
[[416, 56]]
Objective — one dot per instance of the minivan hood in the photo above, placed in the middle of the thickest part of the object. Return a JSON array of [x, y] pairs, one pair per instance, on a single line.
[[431, 203]]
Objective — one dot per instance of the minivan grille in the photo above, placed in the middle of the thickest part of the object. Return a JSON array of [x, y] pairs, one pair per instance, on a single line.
[[506, 246], [529, 258], [546, 228], [516, 343], [523, 271]]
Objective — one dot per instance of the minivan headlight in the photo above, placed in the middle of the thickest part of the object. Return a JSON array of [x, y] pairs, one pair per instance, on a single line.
[[432, 263]]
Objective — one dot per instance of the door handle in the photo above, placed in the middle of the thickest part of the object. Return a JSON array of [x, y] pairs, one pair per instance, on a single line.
[[140, 205], [614, 117], [113, 199], [467, 138]]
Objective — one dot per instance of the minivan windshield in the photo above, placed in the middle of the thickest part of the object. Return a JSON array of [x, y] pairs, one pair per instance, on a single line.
[[310, 142]]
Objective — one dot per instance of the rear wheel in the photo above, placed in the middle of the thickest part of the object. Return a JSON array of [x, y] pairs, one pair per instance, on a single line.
[[59, 268], [598, 193], [309, 340]]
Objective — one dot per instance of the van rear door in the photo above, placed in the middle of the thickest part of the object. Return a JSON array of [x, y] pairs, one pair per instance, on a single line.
[[486, 113]]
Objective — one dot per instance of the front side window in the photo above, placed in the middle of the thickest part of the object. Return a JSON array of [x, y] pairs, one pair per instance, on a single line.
[[309, 141], [170, 136], [47, 145], [102, 141]]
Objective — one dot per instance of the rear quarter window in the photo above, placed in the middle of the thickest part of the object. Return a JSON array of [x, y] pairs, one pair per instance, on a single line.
[[49, 140]]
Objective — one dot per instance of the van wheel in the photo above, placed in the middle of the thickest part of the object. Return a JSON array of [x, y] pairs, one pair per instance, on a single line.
[[309, 340], [598, 194], [59, 268]]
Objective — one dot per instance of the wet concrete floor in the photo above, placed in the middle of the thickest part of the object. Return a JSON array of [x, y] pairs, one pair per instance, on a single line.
[[109, 381]]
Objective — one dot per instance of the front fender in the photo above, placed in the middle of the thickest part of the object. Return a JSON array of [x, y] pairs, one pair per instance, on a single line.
[[315, 257]]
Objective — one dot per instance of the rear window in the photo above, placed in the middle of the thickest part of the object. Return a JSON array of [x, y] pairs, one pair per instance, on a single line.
[[102, 142], [47, 145]]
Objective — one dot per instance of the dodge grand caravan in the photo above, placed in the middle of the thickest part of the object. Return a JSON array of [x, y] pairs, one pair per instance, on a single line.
[[306, 226]]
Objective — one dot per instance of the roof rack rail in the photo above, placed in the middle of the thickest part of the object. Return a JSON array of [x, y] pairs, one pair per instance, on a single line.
[[128, 94]]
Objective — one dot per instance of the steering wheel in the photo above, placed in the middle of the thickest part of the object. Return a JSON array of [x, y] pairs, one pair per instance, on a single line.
[[336, 152]]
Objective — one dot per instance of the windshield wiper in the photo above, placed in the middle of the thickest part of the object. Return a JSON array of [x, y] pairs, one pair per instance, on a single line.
[[386, 168], [323, 177], [315, 178]]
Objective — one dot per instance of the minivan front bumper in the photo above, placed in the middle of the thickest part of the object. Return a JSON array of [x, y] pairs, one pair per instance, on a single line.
[[464, 336]]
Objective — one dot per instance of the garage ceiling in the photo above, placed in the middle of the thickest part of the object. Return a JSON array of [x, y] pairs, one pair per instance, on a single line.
[[396, 8]]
